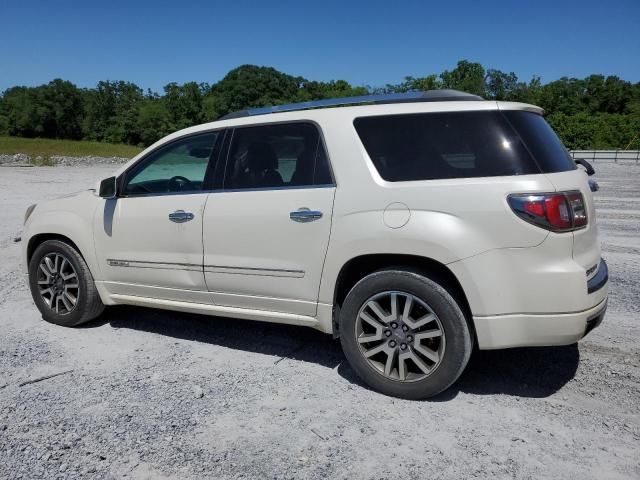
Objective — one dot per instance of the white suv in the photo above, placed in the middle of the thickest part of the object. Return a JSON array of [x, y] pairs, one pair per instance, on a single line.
[[411, 226]]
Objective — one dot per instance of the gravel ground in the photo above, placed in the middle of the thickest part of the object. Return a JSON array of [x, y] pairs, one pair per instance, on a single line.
[[154, 394], [20, 159]]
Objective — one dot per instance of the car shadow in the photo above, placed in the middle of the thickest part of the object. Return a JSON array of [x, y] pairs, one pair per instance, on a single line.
[[278, 340], [524, 372], [534, 372]]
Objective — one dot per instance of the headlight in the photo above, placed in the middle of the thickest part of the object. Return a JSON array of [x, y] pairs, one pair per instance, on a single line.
[[28, 213]]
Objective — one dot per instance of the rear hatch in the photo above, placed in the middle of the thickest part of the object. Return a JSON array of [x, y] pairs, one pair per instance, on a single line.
[[553, 160], [586, 247]]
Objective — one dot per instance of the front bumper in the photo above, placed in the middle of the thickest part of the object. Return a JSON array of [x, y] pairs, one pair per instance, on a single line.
[[527, 330]]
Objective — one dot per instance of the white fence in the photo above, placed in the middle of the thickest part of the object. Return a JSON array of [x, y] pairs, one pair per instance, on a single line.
[[617, 156]]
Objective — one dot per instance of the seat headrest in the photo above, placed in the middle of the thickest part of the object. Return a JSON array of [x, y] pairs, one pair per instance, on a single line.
[[260, 156]]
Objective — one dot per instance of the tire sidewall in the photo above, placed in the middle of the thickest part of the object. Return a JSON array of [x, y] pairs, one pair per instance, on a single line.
[[457, 336], [54, 246]]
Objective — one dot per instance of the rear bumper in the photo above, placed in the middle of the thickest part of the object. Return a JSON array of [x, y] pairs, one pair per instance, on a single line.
[[600, 279], [527, 330]]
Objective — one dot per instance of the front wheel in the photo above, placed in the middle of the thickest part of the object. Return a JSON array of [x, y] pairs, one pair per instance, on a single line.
[[62, 286], [404, 334]]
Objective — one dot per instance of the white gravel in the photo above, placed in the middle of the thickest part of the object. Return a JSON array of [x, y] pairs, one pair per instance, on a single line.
[[22, 159], [155, 394]]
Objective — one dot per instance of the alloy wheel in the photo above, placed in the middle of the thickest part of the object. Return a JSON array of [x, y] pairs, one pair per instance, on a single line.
[[58, 283], [400, 336]]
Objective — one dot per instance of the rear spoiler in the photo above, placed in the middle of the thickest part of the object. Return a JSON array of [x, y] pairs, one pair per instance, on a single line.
[[520, 106]]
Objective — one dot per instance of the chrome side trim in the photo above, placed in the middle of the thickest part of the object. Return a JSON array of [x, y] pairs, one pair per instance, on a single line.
[[218, 310], [159, 265], [118, 263], [272, 272], [227, 190]]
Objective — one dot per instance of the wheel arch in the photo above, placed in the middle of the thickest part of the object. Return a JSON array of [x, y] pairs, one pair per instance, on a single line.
[[359, 267], [38, 239]]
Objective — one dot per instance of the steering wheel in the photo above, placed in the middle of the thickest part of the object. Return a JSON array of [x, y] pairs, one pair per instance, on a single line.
[[179, 183]]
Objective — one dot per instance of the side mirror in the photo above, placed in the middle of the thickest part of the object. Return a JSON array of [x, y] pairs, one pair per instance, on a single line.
[[587, 166], [108, 188]]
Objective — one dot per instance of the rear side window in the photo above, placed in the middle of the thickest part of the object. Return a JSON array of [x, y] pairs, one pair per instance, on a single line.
[[549, 152], [443, 145], [279, 155]]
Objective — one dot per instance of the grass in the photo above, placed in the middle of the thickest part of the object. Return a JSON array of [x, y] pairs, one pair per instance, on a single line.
[[46, 148]]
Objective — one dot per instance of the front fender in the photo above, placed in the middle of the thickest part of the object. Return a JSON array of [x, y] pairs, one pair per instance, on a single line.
[[77, 226]]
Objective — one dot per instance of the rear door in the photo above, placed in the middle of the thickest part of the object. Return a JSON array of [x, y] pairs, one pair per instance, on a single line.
[[266, 232]]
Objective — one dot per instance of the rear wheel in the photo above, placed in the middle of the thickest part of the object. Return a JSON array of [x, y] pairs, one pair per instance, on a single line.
[[62, 286], [404, 334]]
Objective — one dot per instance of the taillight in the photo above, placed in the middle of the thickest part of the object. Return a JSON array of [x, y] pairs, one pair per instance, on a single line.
[[558, 212], [576, 204]]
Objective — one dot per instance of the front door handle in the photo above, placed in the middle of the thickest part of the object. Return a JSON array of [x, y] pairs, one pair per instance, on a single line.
[[180, 216], [305, 215]]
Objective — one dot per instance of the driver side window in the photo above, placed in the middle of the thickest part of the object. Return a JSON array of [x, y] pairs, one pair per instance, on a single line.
[[178, 167]]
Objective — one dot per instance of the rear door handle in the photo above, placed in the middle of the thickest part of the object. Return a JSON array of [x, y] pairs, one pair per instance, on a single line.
[[180, 216], [303, 215]]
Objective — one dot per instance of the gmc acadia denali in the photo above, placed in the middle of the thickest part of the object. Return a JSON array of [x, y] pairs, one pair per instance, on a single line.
[[411, 226]]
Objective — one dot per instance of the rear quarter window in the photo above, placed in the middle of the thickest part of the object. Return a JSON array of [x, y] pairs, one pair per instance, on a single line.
[[429, 146], [543, 143]]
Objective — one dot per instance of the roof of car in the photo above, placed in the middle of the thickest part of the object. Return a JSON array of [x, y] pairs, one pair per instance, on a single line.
[[415, 102], [442, 95]]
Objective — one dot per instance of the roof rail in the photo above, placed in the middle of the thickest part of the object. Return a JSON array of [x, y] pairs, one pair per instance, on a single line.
[[444, 95]]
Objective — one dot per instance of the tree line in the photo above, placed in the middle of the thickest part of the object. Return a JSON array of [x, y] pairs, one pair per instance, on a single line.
[[593, 112]]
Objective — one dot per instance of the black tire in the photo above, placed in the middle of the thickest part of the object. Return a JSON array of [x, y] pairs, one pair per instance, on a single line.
[[88, 304], [451, 319]]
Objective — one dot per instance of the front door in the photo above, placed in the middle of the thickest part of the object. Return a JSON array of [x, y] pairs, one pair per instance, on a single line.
[[149, 239], [266, 232]]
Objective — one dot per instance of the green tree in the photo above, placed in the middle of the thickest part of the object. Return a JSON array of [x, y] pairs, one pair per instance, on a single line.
[[467, 76], [594, 112], [608, 95], [111, 112], [20, 105], [53, 110], [252, 86], [501, 86], [4, 124], [153, 121], [184, 103], [312, 90], [61, 105], [529, 92], [411, 84], [565, 95]]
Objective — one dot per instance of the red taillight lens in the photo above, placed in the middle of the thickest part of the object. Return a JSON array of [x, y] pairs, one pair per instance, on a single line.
[[535, 207], [557, 211], [560, 212]]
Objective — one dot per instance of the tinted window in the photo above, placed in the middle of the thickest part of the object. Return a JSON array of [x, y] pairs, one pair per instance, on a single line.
[[277, 156], [542, 141], [180, 166], [443, 145]]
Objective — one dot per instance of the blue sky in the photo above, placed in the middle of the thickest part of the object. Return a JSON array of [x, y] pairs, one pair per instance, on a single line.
[[365, 42]]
